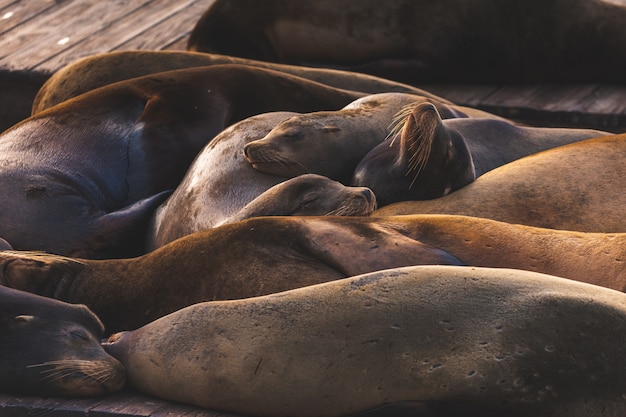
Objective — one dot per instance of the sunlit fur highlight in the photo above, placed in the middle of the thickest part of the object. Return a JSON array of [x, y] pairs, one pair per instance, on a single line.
[[40, 256], [423, 132]]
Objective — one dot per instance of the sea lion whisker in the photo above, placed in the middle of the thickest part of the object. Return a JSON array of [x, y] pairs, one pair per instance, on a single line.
[[96, 371], [397, 123], [350, 209], [62, 362], [421, 147]]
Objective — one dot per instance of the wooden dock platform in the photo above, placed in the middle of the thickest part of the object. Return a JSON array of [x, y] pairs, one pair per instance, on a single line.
[[38, 37]]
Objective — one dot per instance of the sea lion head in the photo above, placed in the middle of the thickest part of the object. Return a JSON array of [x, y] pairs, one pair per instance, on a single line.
[[310, 195], [52, 348], [428, 161]]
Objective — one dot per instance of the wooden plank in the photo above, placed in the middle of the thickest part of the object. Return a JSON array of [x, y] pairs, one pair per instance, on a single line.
[[62, 407], [178, 410], [607, 99], [551, 97], [133, 25], [170, 33], [52, 33], [6, 3], [13, 15], [462, 94], [127, 405], [15, 406]]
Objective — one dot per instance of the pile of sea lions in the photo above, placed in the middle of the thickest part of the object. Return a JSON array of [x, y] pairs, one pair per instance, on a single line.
[[258, 226]]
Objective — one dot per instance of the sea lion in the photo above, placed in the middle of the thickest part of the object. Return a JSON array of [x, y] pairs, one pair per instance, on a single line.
[[309, 195], [489, 341], [485, 41], [68, 173], [573, 187], [217, 185], [101, 69], [220, 187], [270, 254], [433, 157], [51, 348], [238, 260], [331, 143]]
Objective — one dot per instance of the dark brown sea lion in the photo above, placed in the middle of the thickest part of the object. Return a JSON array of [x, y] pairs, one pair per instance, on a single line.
[[488, 341], [331, 143], [433, 157], [98, 70], [488, 41], [244, 259], [83, 177], [573, 187], [51, 348]]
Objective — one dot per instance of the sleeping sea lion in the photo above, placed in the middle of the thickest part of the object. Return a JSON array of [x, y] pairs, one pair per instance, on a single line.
[[82, 178], [331, 143], [270, 254], [217, 185], [485, 341], [572, 187], [433, 157], [419, 41], [51, 348], [106, 68], [309, 195]]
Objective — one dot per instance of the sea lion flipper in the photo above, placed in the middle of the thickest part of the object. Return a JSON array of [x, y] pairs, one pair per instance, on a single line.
[[120, 229]]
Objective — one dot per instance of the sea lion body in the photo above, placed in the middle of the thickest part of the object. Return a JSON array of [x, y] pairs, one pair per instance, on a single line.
[[485, 340], [101, 69], [332, 143], [88, 158], [217, 185], [572, 187], [239, 260], [271, 254], [483, 41], [51, 348], [435, 155]]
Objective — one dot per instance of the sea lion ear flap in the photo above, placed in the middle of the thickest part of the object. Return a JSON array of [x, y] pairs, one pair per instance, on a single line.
[[123, 231], [417, 137]]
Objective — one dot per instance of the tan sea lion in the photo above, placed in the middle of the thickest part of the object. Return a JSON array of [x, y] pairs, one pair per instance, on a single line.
[[332, 143], [83, 177], [433, 157], [264, 255], [486, 41], [486, 341], [573, 187], [101, 69], [51, 348]]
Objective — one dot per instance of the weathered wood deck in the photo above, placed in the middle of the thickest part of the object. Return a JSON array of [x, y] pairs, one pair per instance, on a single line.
[[37, 37]]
